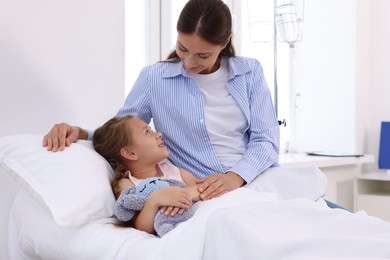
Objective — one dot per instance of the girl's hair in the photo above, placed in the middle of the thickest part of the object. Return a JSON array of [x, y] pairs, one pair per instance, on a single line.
[[108, 140], [211, 20]]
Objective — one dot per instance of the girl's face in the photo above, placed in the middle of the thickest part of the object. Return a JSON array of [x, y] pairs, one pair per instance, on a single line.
[[146, 144], [198, 55]]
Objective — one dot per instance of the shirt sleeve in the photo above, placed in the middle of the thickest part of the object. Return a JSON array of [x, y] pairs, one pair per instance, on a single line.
[[90, 134], [263, 144], [137, 102]]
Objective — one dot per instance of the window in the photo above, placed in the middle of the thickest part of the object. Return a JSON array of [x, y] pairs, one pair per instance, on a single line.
[[142, 37], [254, 37]]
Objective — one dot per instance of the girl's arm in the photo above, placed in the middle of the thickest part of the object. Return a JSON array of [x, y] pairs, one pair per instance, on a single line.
[[144, 220], [170, 196]]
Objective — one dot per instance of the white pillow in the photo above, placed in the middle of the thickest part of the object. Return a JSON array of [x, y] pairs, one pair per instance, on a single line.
[[74, 184]]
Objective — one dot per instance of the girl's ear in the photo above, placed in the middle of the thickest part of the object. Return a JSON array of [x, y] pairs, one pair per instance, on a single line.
[[129, 154]]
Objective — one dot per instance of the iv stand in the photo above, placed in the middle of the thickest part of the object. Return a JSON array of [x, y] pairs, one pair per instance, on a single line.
[[281, 122]]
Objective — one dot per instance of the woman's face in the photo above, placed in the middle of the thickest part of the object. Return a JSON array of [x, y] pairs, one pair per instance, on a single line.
[[198, 55]]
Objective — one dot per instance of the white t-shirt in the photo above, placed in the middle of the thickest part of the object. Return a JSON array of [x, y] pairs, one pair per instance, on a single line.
[[224, 119]]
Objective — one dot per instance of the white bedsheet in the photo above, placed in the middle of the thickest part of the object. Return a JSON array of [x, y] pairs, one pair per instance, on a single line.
[[242, 224]]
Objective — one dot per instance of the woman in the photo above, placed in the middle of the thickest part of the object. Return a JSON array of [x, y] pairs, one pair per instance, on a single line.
[[214, 108]]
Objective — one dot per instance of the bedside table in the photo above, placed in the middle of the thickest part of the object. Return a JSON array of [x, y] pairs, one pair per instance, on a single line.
[[373, 194], [340, 171]]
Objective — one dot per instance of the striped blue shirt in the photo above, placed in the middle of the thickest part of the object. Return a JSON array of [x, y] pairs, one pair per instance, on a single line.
[[166, 92]]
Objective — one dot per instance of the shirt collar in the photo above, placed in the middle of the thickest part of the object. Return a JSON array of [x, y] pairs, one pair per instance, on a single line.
[[236, 65], [174, 69]]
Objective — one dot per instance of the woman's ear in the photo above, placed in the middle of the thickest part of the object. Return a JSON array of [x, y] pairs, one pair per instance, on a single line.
[[128, 154], [228, 40]]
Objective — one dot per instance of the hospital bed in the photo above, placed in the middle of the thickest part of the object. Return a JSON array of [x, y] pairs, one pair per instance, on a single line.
[[60, 206]]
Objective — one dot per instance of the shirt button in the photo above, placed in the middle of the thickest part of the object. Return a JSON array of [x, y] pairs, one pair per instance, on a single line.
[[201, 121]]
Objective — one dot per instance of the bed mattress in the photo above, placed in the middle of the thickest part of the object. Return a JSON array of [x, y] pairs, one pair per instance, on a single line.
[[242, 224]]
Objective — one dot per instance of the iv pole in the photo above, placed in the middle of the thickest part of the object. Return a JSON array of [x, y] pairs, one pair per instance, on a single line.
[[281, 122], [275, 63], [284, 18]]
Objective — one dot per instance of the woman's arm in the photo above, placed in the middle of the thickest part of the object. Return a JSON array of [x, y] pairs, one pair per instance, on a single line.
[[63, 135], [137, 102], [262, 137]]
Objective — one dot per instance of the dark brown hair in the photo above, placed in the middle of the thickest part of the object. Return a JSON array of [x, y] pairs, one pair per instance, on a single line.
[[108, 140], [211, 20]]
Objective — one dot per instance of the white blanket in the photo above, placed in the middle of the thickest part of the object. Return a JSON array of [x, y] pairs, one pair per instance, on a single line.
[[242, 224], [251, 225]]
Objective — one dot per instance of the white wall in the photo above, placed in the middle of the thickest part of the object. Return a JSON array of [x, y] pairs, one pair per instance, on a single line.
[[343, 70], [326, 117], [64, 61], [377, 87], [60, 61]]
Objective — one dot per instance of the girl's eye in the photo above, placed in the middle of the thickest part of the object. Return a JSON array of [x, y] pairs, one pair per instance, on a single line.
[[203, 57], [182, 49]]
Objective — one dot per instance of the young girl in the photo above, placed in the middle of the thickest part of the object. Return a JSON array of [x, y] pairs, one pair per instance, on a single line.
[[135, 152]]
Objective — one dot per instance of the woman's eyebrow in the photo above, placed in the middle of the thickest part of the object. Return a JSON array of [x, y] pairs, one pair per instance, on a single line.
[[181, 45], [201, 53]]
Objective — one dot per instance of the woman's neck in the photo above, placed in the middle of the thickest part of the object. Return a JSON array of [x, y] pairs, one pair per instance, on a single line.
[[214, 68]]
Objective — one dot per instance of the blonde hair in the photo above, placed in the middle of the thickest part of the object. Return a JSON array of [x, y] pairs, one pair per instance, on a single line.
[[108, 140]]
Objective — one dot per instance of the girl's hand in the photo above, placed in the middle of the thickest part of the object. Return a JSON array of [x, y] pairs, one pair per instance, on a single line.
[[217, 184], [171, 197], [171, 210]]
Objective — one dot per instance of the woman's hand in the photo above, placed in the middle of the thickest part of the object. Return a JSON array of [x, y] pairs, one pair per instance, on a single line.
[[217, 184], [193, 191], [61, 136]]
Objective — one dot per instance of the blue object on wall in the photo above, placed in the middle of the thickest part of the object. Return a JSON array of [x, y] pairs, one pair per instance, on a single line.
[[384, 146]]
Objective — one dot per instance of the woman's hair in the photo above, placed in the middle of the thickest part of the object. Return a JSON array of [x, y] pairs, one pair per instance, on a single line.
[[211, 20], [108, 140]]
